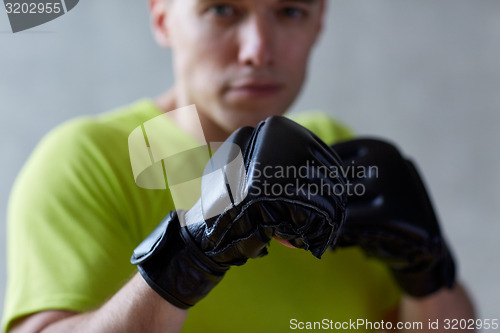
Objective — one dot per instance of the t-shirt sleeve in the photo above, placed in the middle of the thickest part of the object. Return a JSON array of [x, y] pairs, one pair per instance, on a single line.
[[69, 241]]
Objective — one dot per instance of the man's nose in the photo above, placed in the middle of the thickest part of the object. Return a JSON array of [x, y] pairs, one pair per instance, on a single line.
[[256, 42]]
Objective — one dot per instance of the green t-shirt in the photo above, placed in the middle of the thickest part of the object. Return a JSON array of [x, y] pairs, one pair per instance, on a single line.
[[76, 214]]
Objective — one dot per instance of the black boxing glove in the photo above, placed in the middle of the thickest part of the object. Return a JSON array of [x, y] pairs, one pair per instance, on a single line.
[[249, 193], [390, 216]]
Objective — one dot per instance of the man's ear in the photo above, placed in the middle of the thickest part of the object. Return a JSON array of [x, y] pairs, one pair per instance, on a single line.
[[158, 14], [323, 8], [319, 25]]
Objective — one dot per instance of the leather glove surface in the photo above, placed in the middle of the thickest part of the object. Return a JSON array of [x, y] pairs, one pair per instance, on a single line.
[[391, 217], [251, 190]]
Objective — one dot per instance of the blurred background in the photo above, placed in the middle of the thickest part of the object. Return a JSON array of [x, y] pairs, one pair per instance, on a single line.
[[425, 74]]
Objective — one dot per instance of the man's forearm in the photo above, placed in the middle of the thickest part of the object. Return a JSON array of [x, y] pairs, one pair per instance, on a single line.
[[442, 305], [135, 308]]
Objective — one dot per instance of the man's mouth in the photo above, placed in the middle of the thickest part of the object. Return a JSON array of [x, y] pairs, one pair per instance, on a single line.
[[255, 89]]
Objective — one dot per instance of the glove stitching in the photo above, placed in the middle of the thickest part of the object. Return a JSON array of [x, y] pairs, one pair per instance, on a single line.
[[247, 206]]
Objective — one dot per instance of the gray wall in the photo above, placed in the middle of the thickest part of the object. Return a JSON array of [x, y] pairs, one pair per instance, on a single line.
[[423, 73]]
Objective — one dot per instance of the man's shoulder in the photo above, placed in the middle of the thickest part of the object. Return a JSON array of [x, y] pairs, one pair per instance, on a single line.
[[128, 117], [326, 127], [124, 118], [95, 144], [100, 130]]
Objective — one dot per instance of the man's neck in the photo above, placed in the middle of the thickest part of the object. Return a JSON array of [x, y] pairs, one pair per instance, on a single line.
[[211, 131]]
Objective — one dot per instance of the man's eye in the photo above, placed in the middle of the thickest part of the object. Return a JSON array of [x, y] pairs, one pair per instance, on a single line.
[[293, 12], [222, 10]]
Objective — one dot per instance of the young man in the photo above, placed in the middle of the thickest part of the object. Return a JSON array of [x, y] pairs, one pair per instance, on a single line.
[[76, 214]]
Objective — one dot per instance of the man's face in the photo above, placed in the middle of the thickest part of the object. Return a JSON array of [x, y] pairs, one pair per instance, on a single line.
[[241, 61]]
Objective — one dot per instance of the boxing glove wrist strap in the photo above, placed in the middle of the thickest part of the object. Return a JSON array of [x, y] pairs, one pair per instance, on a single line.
[[421, 283], [175, 267]]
